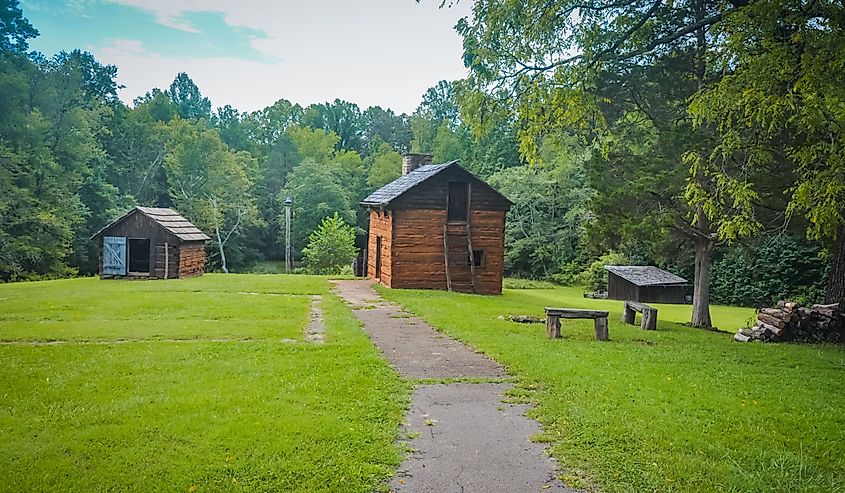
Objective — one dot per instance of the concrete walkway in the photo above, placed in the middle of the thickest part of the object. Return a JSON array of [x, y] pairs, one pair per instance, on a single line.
[[466, 439]]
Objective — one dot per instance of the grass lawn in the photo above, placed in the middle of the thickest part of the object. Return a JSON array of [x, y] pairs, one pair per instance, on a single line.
[[677, 409], [159, 414]]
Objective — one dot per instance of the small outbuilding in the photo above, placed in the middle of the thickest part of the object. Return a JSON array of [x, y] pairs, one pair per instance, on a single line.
[[151, 243], [646, 284], [437, 227]]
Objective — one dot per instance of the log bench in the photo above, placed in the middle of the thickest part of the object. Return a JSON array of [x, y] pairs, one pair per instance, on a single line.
[[553, 316], [649, 314]]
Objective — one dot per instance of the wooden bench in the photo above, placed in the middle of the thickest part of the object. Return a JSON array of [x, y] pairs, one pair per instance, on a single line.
[[649, 314], [553, 316]]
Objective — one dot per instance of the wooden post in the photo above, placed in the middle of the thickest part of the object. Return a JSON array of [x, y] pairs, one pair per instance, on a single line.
[[601, 329], [553, 326], [628, 314], [471, 256], [446, 257], [166, 259], [649, 319]]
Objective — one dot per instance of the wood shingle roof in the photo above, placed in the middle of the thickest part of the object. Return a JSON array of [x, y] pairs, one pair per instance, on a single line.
[[173, 222], [167, 219], [398, 187], [645, 275]]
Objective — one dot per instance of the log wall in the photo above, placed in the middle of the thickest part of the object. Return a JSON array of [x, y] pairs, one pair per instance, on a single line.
[[418, 259], [381, 224], [192, 259]]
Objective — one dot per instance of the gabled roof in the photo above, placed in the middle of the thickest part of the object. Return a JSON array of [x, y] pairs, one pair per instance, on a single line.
[[393, 190], [167, 219], [645, 275]]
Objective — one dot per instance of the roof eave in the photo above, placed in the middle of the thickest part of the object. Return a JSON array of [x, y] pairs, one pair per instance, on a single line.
[[113, 223]]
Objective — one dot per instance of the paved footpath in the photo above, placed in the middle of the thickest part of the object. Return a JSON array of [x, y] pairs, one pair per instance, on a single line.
[[467, 440]]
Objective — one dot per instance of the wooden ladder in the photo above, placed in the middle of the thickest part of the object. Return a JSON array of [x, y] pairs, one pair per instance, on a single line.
[[446, 256], [469, 255]]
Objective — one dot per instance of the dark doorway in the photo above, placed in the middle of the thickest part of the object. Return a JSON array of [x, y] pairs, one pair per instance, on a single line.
[[458, 204], [139, 255], [378, 257]]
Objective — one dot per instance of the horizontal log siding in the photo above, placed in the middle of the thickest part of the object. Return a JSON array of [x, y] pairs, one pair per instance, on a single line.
[[418, 261], [381, 224], [192, 259]]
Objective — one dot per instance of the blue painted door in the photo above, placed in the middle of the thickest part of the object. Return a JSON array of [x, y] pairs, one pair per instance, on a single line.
[[114, 255]]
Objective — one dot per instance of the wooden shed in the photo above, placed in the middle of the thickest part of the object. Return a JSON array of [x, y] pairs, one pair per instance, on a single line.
[[437, 227], [646, 284], [151, 243]]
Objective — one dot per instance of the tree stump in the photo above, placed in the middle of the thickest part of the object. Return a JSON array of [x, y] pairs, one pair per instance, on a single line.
[[601, 329]]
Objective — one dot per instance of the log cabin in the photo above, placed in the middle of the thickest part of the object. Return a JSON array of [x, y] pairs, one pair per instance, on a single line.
[[151, 243], [437, 227]]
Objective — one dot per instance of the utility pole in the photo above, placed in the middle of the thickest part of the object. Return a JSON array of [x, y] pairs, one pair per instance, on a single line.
[[288, 203]]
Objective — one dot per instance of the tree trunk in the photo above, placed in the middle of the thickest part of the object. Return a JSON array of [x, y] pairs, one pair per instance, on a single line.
[[701, 284], [222, 254], [835, 292], [703, 244]]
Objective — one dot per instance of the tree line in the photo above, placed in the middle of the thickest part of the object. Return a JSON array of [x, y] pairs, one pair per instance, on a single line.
[[607, 157]]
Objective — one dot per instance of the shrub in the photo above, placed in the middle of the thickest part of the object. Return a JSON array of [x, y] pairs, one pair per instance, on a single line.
[[595, 277], [783, 267], [331, 247]]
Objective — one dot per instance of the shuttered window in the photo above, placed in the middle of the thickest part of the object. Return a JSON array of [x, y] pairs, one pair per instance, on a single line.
[[458, 202]]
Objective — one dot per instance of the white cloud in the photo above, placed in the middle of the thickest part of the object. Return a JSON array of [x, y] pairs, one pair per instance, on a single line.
[[168, 13], [125, 46], [371, 52]]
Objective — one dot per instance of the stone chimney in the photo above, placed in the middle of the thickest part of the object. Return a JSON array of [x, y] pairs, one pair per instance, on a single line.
[[410, 162]]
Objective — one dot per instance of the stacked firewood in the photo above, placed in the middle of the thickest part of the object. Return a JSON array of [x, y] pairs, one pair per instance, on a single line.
[[791, 322]]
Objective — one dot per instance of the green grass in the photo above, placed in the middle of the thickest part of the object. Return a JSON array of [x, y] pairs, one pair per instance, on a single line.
[[158, 415], [212, 306], [677, 409]]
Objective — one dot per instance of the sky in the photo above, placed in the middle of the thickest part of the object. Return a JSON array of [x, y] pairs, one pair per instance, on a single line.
[[250, 53]]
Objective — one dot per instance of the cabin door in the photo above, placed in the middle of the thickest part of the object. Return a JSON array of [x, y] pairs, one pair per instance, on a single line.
[[139, 255], [114, 255], [378, 257]]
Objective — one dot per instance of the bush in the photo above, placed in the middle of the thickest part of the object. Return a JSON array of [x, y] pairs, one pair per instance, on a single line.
[[783, 267], [331, 247], [595, 277]]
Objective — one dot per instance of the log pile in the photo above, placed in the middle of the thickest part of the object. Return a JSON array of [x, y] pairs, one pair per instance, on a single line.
[[597, 295], [523, 319], [791, 322]]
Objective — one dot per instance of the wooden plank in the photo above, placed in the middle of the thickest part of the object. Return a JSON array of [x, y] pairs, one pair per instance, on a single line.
[[637, 306], [575, 313]]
